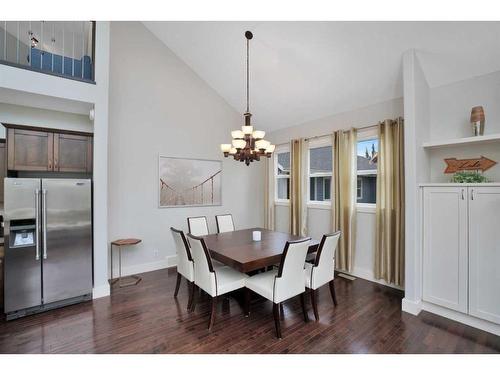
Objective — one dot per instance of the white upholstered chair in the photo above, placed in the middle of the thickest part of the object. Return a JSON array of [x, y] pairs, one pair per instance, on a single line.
[[215, 281], [284, 283], [322, 270], [185, 265], [198, 226], [224, 223]]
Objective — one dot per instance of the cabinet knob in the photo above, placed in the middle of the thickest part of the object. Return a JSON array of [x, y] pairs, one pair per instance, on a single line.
[[472, 195]]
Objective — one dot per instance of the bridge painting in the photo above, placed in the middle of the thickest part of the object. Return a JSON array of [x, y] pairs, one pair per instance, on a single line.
[[189, 182]]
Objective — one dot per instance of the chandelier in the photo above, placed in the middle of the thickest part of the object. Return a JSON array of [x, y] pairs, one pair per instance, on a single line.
[[248, 144]]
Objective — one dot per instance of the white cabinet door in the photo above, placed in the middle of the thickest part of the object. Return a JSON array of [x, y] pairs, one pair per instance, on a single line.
[[484, 253], [445, 247]]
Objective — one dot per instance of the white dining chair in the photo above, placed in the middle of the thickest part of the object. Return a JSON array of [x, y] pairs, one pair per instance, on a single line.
[[322, 271], [224, 223], [284, 283], [185, 265], [198, 226], [215, 281]]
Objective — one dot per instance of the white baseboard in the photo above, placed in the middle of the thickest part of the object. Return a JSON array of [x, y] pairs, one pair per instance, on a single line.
[[169, 261], [462, 318], [101, 291], [365, 274], [411, 307]]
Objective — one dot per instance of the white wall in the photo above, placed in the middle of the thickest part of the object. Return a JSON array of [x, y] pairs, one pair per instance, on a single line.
[[450, 108], [158, 105], [21, 115], [319, 220]]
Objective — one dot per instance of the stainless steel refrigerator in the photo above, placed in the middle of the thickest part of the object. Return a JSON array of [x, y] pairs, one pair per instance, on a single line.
[[48, 244]]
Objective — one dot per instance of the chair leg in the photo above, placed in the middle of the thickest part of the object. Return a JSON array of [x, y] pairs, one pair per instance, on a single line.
[[276, 313], [314, 304], [191, 294], [193, 300], [303, 304], [332, 292], [247, 302], [212, 313], [178, 284]]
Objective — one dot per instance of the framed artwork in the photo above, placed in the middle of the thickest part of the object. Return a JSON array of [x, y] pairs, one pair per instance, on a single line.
[[189, 182]]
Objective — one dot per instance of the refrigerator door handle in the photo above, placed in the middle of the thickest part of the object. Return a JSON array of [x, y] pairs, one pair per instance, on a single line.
[[37, 223], [44, 222]]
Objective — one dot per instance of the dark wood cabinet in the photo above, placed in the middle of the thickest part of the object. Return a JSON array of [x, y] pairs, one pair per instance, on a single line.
[[50, 150], [72, 153], [29, 150]]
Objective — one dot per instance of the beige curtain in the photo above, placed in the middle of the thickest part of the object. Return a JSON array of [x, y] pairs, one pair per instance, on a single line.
[[390, 237], [344, 195], [269, 194], [298, 187]]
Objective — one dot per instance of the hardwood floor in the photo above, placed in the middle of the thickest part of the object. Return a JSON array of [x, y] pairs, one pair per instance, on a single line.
[[147, 319]]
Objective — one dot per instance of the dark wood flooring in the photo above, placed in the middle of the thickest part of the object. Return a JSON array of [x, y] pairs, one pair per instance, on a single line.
[[147, 319]]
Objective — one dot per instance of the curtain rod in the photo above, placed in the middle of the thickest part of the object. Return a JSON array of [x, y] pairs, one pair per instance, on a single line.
[[330, 134]]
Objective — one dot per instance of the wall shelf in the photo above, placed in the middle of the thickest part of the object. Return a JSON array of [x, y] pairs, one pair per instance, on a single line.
[[462, 141]]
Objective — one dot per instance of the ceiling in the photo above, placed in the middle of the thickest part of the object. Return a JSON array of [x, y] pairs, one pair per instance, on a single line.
[[301, 71]]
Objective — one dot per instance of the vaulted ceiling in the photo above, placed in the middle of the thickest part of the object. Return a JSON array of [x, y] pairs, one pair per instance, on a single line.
[[300, 71]]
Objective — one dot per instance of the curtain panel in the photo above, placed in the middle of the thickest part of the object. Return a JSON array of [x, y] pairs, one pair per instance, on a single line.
[[269, 194], [390, 224], [344, 195], [298, 186]]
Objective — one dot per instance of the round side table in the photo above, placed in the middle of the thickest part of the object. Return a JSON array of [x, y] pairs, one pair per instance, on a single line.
[[120, 243]]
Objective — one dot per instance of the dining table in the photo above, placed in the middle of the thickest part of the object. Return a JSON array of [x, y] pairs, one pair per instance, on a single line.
[[238, 250]]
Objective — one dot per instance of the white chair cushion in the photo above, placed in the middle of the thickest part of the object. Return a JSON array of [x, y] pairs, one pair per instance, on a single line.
[[229, 279], [187, 270], [262, 283], [307, 273]]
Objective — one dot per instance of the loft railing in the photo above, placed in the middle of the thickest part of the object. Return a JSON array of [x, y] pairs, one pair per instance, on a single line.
[[62, 48]]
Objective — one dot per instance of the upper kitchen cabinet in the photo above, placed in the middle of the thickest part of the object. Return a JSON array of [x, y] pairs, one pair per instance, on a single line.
[[72, 153], [29, 150], [48, 150]]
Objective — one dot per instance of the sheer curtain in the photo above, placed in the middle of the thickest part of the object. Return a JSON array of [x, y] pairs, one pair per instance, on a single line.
[[390, 225], [344, 195], [269, 194], [298, 186]]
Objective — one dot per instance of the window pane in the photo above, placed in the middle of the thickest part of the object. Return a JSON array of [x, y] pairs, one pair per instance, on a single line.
[[283, 188], [284, 163], [367, 171], [320, 160], [319, 188]]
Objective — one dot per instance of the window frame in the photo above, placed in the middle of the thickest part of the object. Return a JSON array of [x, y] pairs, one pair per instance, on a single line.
[[280, 149], [317, 143], [360, 181], [366, 134]]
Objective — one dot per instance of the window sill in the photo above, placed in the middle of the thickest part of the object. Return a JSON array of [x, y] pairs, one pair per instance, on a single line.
[[282, 203], [320, 205], [367, 208]]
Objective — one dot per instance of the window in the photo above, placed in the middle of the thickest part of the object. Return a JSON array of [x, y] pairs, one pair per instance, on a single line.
[[320, 170], [367, 155], [359, 189], [282, 173]]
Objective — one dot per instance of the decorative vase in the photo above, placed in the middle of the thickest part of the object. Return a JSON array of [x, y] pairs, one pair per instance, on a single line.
[[477, 120]]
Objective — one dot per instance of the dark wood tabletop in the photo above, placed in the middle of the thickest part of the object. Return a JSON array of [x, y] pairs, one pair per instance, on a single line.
[[238, 250]]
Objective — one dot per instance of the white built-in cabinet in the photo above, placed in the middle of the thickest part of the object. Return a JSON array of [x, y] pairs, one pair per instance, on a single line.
[[461, 249]]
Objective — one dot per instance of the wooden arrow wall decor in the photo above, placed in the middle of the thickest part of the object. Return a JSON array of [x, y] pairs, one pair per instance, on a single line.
[[478, 164]]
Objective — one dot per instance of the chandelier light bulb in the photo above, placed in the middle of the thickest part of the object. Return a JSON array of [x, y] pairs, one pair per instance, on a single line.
[[239, 143], [237, 134], [247, 130], [232, 151], [225, 147], [262, 144], [258, 134], [270, 149]]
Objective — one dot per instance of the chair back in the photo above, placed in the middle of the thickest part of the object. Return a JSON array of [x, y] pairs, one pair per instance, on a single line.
[[198, 226], [290, 279], [324, 264], [224, 223], [204, 275], [184, 259]]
